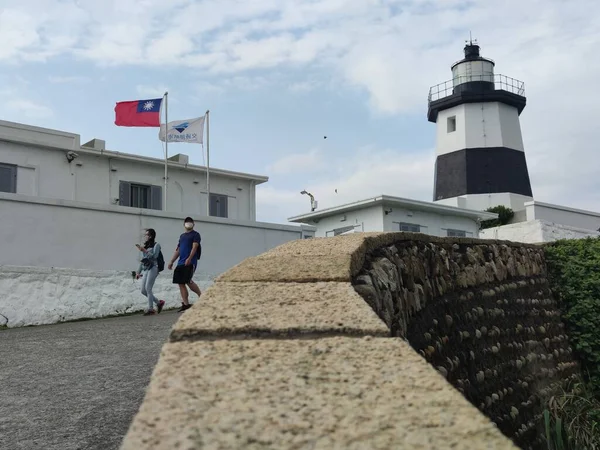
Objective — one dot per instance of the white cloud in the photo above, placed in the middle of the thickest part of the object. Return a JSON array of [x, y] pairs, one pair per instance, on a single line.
[[369, 173], [151, 91], [310, 161], [29, 108]]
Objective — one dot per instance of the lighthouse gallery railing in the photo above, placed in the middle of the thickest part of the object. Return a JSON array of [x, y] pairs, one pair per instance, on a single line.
[[501, 83]]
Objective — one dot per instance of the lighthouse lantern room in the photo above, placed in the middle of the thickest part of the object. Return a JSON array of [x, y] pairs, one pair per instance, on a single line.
[[480, 159]]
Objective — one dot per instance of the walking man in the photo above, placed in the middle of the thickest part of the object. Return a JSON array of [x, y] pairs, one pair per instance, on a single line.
[[188, 251]]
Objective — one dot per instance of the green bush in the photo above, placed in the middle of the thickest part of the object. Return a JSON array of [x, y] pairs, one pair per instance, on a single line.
[[574, 273], [504, 216]]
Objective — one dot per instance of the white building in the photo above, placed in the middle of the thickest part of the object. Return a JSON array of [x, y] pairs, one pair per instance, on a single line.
[[36, 162], [481, 157], [386, 213], [71, 215]]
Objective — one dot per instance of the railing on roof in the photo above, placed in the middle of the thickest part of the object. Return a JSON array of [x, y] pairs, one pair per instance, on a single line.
[[501, 83]]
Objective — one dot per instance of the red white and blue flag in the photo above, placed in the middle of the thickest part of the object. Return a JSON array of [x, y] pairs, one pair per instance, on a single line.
[[138, 113]]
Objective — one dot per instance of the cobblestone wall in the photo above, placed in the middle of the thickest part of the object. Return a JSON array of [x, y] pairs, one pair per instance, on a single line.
[[482, 313]]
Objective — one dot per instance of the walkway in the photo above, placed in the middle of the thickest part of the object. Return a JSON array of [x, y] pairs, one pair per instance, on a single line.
[[76, 386]]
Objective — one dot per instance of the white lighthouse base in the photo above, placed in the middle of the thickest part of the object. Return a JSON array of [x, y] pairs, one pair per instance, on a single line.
[[481, 202]]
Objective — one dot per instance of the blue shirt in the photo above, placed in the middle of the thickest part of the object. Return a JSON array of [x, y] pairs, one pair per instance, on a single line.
[[186, 240]]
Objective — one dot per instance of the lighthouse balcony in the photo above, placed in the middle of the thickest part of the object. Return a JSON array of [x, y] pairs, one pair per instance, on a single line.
[[475, 89]]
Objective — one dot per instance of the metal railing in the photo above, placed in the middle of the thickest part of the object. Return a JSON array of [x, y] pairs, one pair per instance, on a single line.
[[501, 83]]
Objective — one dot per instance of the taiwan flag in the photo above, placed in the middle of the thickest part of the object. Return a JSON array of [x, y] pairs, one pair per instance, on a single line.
[[138, 113]]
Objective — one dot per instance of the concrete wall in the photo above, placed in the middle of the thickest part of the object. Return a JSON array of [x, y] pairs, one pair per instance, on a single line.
[[479, 125], [373, 218], [563, 215], [366, 219], [432, 224], [481, 202], [284, 353], [535, 231], [42, 236], [94, 177]]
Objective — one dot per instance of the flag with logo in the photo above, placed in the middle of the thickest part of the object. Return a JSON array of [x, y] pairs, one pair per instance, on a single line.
[[190, 131]]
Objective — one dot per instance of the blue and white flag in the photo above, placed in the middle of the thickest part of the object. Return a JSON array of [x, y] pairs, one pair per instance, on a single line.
[[190, 131]]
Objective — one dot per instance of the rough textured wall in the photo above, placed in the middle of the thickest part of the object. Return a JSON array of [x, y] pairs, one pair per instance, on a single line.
[[482, 313], [283, 353]]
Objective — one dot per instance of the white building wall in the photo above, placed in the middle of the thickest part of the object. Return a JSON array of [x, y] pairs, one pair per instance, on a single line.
[[70, 257], [94, 178], [479, 125], [535, 232], [430, 223], [562, 215], [367, 219]]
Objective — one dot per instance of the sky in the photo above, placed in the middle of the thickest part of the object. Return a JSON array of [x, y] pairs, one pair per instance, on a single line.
[[280, 75]]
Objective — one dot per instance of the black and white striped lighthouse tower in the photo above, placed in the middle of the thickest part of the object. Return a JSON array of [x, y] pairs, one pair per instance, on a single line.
[[480, 155]]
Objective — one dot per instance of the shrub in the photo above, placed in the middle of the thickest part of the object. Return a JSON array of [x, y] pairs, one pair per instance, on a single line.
[[504, 216], [574, 274]]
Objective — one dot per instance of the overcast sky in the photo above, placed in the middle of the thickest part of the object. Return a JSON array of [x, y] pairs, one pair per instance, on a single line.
[[280, 75]]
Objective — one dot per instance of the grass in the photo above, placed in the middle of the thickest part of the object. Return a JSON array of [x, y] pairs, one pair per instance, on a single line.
[[572, 419]]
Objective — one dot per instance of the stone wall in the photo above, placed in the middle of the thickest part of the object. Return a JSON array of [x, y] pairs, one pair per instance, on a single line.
[[283, 353], [482, 313]]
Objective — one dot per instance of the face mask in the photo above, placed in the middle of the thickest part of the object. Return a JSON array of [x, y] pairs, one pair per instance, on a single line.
[[189, 225]]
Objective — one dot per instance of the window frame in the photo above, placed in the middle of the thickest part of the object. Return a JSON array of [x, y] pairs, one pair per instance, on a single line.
[[221, 211], [12, 182]]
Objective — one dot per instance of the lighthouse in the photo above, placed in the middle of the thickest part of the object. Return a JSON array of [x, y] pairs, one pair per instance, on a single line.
[[480, 157]]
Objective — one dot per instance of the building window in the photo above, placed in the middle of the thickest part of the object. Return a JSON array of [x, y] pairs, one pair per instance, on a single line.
[[456, 233], [138, 195], [8, 178], [411, 227], [218, 205], [451, 124]]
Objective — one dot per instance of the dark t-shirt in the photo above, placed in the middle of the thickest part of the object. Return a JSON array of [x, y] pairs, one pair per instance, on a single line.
[[186, 240]]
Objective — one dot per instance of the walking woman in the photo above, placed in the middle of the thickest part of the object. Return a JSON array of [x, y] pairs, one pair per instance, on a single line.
[[148, 270]]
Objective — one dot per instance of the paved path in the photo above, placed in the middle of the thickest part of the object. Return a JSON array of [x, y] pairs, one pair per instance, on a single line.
[[76, 386]]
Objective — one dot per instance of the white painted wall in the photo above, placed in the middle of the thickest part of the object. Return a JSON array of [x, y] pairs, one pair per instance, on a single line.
[[479, 125], [456, 140], [431, 223], [481, 202], [373, 218], [535, 231], [366, 219], [94, 177], [95, 246], [587, 220]]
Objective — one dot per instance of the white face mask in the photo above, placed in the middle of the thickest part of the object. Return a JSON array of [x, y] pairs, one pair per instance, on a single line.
[[189, 225]]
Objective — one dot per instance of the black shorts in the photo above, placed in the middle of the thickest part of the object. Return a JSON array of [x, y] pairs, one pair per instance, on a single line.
[[183, 274]]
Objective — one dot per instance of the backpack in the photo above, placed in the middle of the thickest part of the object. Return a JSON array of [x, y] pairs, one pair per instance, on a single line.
[[160, 262]]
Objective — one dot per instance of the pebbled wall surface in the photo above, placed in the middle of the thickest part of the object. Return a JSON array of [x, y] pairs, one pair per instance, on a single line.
[[283, 353], [483, 314]]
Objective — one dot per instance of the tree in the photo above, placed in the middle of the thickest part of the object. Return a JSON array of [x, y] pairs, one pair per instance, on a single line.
[[505, 215]]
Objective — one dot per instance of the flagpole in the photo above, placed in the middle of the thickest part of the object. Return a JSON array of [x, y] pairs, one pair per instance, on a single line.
[[208, 162], [166, 148]]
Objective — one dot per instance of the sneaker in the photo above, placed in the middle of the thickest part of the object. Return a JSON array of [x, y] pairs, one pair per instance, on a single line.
[[150, 312], [184, 307], [160, 305]]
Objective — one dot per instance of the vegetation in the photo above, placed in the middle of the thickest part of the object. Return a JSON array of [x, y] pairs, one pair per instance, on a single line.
[[505, 215], [572, 420], [574, 272]]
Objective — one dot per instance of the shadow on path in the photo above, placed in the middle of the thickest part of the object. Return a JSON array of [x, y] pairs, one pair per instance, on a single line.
[[77, 385]]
